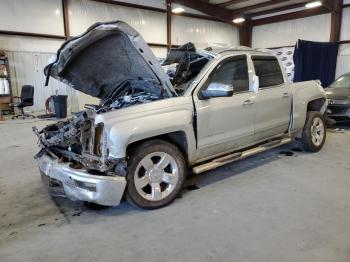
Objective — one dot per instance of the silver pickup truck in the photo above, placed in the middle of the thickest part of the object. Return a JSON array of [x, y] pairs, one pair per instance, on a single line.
[[151, 128]]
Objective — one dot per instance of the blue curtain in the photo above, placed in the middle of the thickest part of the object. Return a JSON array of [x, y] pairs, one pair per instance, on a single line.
[[315, 60]]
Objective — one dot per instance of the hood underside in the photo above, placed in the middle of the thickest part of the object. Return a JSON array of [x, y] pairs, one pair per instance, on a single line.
[[107, 61]]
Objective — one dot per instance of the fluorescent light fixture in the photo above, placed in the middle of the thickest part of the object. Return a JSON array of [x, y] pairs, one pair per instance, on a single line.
[[178, 10], [239, 20], [313, 4]]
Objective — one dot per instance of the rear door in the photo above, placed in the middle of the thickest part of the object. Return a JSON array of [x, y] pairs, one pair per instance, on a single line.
[[225, 123], [274, 101]]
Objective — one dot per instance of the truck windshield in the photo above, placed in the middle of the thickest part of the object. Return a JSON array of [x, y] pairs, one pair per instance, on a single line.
[[341, 82]]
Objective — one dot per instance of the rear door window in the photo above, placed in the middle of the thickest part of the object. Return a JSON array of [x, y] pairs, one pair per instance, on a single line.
[[268, 69]]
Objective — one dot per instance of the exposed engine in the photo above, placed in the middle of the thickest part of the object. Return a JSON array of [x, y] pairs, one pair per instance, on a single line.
[[78, 141]]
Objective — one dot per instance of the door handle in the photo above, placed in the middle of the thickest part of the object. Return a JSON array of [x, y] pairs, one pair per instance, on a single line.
[[248, 102], [285, 95]]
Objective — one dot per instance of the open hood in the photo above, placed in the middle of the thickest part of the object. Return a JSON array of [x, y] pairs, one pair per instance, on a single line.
[[108, 59]]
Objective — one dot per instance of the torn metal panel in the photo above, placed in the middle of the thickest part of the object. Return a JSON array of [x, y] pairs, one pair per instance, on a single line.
[[189, 63], [77, 140]]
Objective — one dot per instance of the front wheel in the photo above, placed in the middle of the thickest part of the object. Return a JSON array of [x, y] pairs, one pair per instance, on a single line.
[[314, 132], [156, 173]]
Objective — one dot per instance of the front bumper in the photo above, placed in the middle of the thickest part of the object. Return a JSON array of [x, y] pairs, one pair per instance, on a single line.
[[339, 113], [78, 184]]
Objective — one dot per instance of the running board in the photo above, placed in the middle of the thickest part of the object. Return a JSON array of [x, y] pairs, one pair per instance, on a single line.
[[217, 162]]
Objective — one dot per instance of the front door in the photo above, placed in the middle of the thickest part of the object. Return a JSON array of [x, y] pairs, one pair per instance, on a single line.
[[225, 123]]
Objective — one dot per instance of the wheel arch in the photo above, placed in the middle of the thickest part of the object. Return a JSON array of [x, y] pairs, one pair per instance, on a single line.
[[307, 96], [317, 105], [177, 138]]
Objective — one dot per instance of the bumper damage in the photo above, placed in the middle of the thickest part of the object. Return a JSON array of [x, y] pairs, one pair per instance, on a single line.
[[78, 184]]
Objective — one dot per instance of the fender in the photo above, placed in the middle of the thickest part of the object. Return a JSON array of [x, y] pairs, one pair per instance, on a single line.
[[128, 125], [303, 93]]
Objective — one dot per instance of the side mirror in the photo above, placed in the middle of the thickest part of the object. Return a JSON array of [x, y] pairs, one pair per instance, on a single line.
[[217, 90]]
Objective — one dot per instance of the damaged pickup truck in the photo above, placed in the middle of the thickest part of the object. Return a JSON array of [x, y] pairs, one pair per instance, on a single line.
[[217, 106]]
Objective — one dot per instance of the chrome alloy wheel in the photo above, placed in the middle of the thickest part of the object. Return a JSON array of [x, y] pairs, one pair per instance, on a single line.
[[317, 131], [156, 176]]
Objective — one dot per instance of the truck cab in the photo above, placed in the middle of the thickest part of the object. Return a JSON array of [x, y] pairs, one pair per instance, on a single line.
[[244, 115]]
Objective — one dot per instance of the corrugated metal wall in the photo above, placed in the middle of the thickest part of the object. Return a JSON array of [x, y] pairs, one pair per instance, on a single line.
[[35, 16], [202, 32], [28, 56], [314, 28], [26, 68], [343, 63]]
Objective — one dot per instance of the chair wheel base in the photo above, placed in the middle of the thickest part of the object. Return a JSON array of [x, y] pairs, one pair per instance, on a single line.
[[23, 116]]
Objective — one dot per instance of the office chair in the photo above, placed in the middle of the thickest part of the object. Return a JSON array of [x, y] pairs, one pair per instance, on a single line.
[[26, 99]]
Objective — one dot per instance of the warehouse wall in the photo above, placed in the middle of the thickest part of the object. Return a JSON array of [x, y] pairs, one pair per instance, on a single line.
[[33, 75], [202, 32], [35, 16], [343, 63], [314, 28], [45, 17]]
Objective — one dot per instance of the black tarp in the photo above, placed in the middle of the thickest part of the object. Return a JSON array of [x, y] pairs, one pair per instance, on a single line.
[[315, 61]]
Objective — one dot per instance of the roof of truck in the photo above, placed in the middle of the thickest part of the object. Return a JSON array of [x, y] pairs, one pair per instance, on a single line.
[[217, 49]]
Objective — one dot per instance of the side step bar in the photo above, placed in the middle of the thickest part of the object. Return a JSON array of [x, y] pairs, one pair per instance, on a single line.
[[217, 162]]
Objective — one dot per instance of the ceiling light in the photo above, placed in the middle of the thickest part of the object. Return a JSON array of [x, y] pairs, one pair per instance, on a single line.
[[313, 4], [238, 20], [178, 10]]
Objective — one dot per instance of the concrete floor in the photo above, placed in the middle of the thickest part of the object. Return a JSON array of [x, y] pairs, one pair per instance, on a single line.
[[271, 207]]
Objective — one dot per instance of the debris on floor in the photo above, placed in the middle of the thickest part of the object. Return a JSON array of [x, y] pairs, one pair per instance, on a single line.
[[286, 153], [192, 187]]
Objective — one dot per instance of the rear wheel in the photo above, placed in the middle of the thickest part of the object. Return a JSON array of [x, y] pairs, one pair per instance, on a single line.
[[156, 173], [314, 132]]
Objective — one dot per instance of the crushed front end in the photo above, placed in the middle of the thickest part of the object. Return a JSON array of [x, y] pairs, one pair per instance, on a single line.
[[73, 161]]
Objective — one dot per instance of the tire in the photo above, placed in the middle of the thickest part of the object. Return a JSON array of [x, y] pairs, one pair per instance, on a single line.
[[156, 174], [314, 132]]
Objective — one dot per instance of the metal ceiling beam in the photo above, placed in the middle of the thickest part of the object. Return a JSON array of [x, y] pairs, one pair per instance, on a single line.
[[232, 2], [15, 33], [336, 20], [245, 35], [168, 23], [277, 9], [145, 7], [291, 16], [220, 13], [257, 6], [65, 18]]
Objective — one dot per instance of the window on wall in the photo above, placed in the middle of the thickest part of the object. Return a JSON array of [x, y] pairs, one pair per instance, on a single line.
[[268, 69], [233, 71]]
